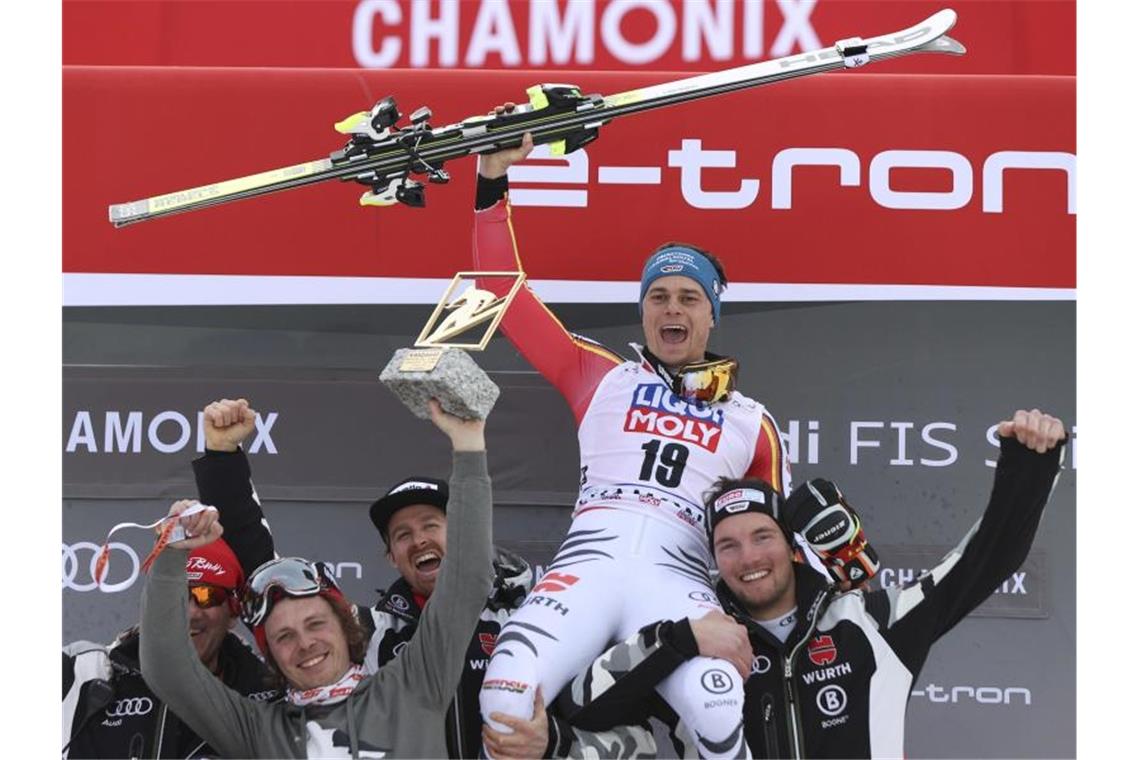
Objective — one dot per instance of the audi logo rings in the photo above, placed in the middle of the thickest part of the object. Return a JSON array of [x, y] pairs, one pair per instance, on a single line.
[[74, 561], [128, 707]]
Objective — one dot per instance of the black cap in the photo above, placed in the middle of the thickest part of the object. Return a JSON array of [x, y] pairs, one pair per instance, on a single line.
[[746, 496], [414, 490]]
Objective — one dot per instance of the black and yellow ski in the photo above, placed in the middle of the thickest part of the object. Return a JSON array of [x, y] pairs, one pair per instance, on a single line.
[[385, 157]]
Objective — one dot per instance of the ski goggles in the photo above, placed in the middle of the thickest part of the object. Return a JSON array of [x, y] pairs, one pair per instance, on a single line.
[[205, 596], [706, 382], [278, 578]]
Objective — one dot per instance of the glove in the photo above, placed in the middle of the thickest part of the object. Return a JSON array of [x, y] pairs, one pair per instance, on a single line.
[[819, 513]]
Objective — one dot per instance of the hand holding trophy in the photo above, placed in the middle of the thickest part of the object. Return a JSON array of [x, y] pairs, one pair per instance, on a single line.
[[439, 365]]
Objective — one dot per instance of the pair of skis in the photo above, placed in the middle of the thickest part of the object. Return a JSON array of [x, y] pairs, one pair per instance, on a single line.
[[386, 157]]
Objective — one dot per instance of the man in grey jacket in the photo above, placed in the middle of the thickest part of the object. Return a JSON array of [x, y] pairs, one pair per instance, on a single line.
[[398, 711]]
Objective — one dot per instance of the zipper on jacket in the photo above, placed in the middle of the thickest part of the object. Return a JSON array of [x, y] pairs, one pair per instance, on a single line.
[[767, 713], [161, 731], [794, 723], [793, 709]]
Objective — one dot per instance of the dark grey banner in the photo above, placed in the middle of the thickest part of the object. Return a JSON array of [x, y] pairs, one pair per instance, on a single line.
[[895, 401]]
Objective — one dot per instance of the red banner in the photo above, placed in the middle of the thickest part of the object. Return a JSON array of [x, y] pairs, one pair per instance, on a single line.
[[1003, 36], [840, 179]]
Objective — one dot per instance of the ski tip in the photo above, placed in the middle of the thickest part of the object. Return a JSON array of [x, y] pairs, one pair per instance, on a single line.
[[945, 45], [952, 46]]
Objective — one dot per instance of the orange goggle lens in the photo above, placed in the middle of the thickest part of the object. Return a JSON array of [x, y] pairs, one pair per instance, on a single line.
[[707, 383], [208, 596]]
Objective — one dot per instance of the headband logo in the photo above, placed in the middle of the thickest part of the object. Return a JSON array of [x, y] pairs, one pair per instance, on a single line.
[[738, 500], [670, 268]]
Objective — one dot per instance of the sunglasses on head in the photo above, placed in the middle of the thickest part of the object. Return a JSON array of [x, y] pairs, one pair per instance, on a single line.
[[205, 597]]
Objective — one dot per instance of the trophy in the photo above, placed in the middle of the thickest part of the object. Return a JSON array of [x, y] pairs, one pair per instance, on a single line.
[[439, 365]]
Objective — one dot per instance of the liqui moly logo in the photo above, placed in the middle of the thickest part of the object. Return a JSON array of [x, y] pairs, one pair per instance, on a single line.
[[656, 410]]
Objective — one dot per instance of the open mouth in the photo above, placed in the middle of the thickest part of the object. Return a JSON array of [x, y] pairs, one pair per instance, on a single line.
[[755, 575], [427, 562], [313, 662], [674, 334]]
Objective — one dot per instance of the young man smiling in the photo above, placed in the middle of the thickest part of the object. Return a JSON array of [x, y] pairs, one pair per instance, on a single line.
[[333, 707], [831, 672], [654, 435], [411, 519]]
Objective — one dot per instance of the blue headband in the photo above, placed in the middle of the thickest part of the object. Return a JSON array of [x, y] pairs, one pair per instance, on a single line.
[[686, 262]]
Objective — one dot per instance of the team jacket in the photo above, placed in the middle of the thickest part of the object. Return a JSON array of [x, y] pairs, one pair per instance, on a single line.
[[396, 615], [224, 481], [110, 712], [642, 448], [840, 684]]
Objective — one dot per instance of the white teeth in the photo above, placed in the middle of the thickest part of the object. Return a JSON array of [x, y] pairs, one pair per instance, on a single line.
[[312, 661], [425, 558], [757, 575]]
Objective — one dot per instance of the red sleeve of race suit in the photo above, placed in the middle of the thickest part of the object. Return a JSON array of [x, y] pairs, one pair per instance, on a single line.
[[573, 365], [770, 460]]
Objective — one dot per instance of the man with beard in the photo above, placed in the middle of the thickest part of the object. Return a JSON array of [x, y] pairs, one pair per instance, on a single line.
[[309, 633]]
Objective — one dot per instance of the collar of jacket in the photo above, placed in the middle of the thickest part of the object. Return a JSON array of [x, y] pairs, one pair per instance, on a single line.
[[513, 579], [813, 594], [124, 653], [653, 364]]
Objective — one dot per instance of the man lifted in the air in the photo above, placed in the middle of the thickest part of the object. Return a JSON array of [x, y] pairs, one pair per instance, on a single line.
[[654, 434]]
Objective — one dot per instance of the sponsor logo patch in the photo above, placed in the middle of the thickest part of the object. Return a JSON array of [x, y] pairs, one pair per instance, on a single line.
[[821, 650], [655, 409], [716, 681], [131, 706], [831, 700], [549, 603], [505, 684], [555, 582], [826, 674]]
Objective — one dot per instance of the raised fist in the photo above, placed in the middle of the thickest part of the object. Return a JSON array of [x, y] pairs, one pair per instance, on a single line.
[[1034, 429], [227, 423]]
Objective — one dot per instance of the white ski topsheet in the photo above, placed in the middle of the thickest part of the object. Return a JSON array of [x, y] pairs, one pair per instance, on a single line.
[[885, 46], [124, 212]]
